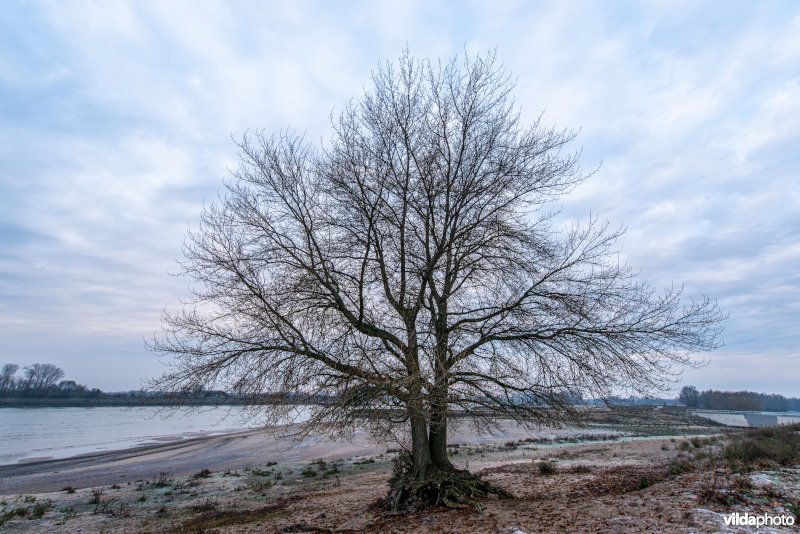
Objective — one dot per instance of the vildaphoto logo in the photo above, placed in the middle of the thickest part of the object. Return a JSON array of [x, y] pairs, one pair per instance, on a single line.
[[759, 520]]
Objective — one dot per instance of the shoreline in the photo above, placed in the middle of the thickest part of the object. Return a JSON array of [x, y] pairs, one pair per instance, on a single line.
[[230, 452], [246, 448], [653, 484], [623, 470], [234, 450]]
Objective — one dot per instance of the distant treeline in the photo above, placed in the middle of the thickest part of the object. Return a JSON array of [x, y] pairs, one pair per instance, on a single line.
[[39, 379], [42, 384], [737, 400]]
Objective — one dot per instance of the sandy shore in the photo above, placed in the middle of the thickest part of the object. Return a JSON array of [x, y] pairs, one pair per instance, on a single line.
[[622, 486], [217, 453], [232, 451], [615, 474], [241, 450]]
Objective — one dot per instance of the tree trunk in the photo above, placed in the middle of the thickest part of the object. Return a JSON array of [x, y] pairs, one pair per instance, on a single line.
[[438, 440], [429, 479], [438, 424], [421, 462]]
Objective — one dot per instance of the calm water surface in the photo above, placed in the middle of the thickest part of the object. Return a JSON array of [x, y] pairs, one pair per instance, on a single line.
[[27, 433]]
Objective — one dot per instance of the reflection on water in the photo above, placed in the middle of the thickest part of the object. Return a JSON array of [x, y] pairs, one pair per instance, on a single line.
[[27, 433]]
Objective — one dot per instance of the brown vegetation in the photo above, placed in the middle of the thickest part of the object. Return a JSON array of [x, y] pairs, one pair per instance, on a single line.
[[653, 484]]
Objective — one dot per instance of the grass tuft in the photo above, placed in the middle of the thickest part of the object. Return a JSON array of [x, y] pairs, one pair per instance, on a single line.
[[203, 473], [309, 471], [546, 468]]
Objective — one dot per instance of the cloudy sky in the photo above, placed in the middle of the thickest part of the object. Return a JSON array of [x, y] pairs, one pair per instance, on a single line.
[[116, 118]]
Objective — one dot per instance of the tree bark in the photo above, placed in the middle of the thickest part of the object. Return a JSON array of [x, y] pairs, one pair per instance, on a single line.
[[438, 423], [421, 462], [438, 440]]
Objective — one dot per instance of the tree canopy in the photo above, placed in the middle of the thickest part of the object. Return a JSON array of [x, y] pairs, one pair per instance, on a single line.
[[412, 266]]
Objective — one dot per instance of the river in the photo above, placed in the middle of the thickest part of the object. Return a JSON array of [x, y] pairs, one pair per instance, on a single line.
[[42, 433]]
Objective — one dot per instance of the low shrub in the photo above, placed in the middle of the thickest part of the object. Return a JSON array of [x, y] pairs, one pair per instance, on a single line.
[[206, 506], [308, 471], [546, 468], [742, 483], [330, 471], [321, 464], [97, 496], [12, 514], [765, 446], [261, 472], [260, 487], [163, 479], [678, 467], [40, 509], [203, 473]]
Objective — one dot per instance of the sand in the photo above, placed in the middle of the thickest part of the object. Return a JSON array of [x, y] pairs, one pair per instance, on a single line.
[[232, 451], [253, 482], [217, 453]]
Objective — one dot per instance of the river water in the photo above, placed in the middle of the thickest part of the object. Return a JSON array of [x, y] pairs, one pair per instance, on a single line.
[[40, 433]]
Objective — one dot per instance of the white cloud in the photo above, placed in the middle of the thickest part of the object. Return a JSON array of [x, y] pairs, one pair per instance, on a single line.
[[119, 113]]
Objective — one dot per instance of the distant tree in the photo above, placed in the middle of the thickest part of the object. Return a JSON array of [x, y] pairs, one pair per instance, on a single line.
[[775, 403], [71, 387], [411, 268], [40, 376], [7, 380], [690, 396], [68, 385]]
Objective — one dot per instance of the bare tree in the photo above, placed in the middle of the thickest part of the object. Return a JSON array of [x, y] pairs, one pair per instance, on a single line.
[[410, 268], [689, 396], [71, 386], [7, 380], [41, 376]]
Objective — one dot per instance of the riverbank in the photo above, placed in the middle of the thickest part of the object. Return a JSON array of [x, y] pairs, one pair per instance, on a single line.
[[648, 484], [183, 455], [235, 451], [268, 481]]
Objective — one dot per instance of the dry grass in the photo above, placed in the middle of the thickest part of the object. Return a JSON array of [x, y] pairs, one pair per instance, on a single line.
[[765, 447]]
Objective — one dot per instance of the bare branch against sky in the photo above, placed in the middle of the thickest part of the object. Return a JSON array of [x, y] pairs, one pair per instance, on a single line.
[[413, 262]]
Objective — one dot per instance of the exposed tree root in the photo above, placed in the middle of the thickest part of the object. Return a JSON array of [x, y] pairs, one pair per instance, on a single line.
[[450, 488]]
